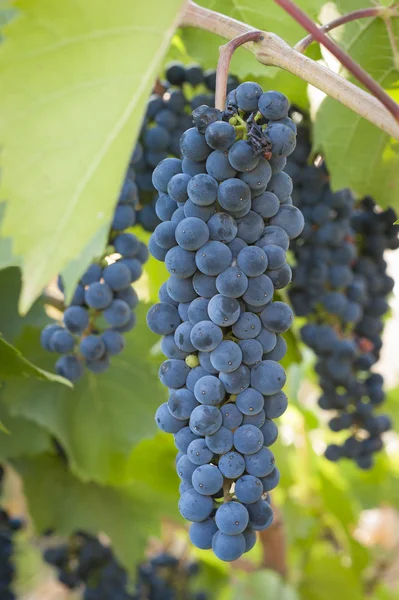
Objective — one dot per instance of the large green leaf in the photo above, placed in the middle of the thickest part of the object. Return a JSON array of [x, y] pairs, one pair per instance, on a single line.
[[99, 422], [267, 16], [24, 438], [326, 578], [263, 584], [56, 499], [11, 323], [13, 364], [358, 154], [74, 78]]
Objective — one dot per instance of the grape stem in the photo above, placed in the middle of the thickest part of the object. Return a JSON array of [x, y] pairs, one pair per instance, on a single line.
[[361, 13], [273, 51], [347, 61], [51, 300], [225, 55]]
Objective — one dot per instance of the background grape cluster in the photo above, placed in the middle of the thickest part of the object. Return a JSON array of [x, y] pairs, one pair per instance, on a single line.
[[340, 285], [227, 222], [103, 303], [83, 561], [8, 527]]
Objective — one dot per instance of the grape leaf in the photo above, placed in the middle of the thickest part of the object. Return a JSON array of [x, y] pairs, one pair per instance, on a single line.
[[98, 422], [11, 323], [22, 437], [358, 154], [87, 70], [128, 515], [267, 16], [253, 585], [326, 578], [14, 364]]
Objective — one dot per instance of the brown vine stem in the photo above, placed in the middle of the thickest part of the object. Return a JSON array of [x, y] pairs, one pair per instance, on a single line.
[[353, 67], [225, 55], [274, 545], [273, 51], [53, 301], [361, 13]]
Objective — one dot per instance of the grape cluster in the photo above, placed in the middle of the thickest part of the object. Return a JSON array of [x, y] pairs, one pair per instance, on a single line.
[[103, 303], [8, 527], [227, 222], [85, 561], [167, 118], [340, 285]]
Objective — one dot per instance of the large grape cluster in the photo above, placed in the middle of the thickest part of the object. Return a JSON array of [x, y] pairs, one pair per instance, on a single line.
[[8, 527], [167, 118], [84, 561], [227, 222], [103, 303], [340, 285]]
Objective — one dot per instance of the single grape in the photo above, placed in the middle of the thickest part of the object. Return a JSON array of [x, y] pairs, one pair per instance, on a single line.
[[198, 452], [207, 480], [232, 416], [92, 347], [268, 377], [194, 506], [117, 276], [205, 420], [173, 373], [76, 319], [99, 295], [248, 489], [113, 342], [61, 341], [201, 534], [202, 189], [181, 403], [221, 441], [250, 402], [166, 421], [228, 547], [118, 313], [231, 518], [232, 465], [69, 367], [248, 439]]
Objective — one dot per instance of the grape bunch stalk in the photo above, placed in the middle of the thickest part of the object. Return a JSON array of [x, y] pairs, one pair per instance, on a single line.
[[228, 219], [103, 303], [340, 285], [167, 117]]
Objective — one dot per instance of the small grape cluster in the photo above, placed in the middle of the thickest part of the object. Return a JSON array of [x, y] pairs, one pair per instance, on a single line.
[[84, 561], [227, 223], [8, 527], [167, 118], [103, 303], [340, 285]]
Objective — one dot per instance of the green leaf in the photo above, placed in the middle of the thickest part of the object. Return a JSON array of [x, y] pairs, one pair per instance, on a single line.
[[13, 364], [100, 421], [252, 586], [153, 462], [11, 322], [326, 578], [57, 499], [359, 155], [23, 438], [204, 46], [71, 131]]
